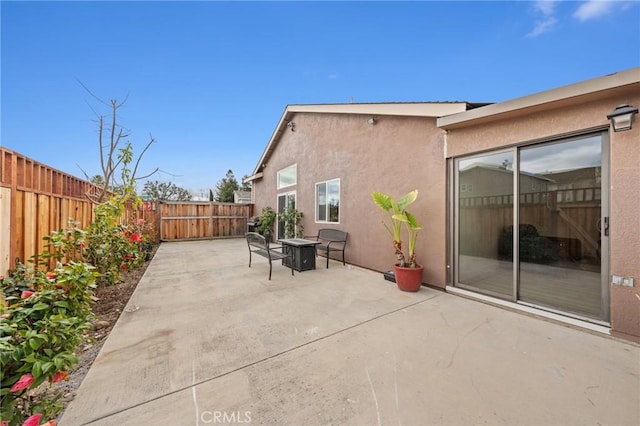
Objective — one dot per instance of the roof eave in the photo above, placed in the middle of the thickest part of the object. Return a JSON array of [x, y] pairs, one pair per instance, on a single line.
[[410, 109], [593, 88]]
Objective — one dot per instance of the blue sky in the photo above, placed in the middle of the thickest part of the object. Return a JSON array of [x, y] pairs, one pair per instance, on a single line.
[[210, 80]]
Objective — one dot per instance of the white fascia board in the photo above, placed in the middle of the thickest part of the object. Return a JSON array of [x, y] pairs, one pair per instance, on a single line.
[[272, 142], [418, 109], [253, 177], [585, 88]]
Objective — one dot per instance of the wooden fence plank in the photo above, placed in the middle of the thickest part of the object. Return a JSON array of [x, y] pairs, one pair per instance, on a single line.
[[42, 224], [5, 229], [30, 215]]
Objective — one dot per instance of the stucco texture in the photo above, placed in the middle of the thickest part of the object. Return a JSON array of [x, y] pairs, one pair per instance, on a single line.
[[394, 156]]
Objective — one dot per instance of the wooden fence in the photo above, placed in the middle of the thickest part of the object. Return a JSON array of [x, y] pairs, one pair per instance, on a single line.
[[36, 200], [201, 220]]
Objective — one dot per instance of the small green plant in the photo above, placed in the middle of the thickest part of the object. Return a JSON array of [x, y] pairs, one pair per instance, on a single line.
[[64, 245], [413, 227], [399, 215], [267, 219]]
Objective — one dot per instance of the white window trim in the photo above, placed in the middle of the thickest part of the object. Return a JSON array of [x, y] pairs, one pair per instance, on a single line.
[[295, 165], [315, 202]]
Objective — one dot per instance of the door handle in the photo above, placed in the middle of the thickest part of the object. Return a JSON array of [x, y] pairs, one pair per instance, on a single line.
[[605, 229]]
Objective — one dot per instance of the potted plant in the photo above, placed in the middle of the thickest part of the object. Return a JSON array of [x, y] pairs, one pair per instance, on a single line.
[[408, 274], [265, 224]]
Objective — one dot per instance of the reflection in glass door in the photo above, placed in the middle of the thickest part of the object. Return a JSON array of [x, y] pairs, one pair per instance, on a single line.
[[559, 210], [485, 211], [558, 261]]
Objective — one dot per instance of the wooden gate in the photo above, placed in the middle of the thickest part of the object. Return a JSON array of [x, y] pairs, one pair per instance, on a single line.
[[181, 220]]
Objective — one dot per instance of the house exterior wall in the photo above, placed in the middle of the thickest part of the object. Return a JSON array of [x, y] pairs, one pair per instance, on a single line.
[[394, 156], [576, 115]]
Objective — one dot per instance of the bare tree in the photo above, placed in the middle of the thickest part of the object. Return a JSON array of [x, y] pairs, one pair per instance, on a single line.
[[115, 152], [166, 191]]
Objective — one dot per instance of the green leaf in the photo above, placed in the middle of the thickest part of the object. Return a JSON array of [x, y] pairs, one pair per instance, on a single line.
[[40, 306], [47, 366], [58, 361], [412, 223], [36, 370], [35, 343], [382, 200], [407, 199]]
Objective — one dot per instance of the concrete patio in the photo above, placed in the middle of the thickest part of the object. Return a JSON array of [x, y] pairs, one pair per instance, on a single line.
[[207, 340]]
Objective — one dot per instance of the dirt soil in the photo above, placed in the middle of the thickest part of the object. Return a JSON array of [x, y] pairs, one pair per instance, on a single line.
[[110, 303]]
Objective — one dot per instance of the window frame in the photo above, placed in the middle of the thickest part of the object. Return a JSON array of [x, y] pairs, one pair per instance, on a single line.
[[327, 209], [281, 172]]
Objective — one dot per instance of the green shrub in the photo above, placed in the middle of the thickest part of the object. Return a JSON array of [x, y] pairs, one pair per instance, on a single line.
[[111, 246], [43, 318]]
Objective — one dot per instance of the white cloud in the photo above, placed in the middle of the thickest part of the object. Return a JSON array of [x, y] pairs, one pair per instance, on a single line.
[[333, 76], [593, 9], [542, 26], [547, 21], [546, 7]]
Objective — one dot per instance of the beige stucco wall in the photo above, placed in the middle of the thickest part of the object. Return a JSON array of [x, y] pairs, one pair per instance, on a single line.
[[577, 115], [394, 156]]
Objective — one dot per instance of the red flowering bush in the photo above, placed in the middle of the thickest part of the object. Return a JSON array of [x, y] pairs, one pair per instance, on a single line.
[[63, 246], [45, 307], [43, 317], [111, 246]]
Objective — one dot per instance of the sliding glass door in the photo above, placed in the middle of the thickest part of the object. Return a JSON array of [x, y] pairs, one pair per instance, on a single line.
[[485, 212], [560, 207], [532, 225]]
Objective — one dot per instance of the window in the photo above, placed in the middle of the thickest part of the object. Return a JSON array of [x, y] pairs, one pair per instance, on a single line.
[[288, 176], [328, 201]]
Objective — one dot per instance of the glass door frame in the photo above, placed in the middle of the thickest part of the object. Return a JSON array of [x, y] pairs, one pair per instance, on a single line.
[[453, 194], [288, 196]]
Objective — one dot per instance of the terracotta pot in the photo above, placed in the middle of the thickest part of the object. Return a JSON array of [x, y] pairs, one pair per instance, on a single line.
[[409, 279]]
